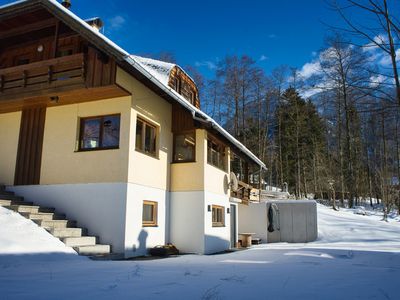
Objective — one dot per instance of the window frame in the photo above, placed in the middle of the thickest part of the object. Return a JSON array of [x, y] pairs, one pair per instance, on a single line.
[[177, 84], [193, 131], [81, 129], [212, 139], [154, 222], [156, 128], [216, 222]]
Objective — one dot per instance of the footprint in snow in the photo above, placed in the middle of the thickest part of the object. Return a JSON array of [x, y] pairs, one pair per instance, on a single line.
[[234, 278]]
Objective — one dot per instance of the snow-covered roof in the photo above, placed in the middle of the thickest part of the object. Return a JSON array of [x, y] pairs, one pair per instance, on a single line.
[[134, 62], [159, 69]]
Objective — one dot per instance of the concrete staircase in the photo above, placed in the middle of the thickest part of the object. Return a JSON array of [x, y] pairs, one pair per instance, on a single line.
[[54, 223]]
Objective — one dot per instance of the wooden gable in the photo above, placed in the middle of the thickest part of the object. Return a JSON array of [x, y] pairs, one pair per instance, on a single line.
[[184, 85]]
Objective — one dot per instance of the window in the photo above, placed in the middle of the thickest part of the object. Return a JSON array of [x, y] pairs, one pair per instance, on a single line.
[[216, 153], [184, 147], [146, 135], [191, 97], [99, 132], [149, 217], [218, 216], [177, 84]]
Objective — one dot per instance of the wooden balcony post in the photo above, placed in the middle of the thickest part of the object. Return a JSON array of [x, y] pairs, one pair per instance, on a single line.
[[24, 78], [55, 42]]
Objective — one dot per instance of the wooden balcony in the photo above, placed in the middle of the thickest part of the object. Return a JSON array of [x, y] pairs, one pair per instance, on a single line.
[[59, 81], [243, 193], [44, 77]]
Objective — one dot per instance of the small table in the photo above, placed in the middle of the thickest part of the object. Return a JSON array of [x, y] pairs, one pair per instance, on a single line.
[[246, 238]]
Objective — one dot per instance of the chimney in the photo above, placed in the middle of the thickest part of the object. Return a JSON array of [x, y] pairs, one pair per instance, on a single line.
[[66, 3], [96, 23]]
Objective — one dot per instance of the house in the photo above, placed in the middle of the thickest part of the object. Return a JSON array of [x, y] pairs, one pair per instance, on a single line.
[[117, 142]]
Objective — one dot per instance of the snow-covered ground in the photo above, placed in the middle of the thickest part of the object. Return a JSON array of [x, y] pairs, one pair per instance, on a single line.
[[355, 257]]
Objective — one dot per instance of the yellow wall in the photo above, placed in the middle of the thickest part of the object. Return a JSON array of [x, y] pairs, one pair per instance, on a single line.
[[190, 176], [199, 175], [9, 135], [144, 169], [62, 164]]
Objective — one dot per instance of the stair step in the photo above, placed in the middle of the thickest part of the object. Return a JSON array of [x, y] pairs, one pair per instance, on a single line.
[[79, 241], [13, 202], [48, 224], [25, 208], [21, 202], [66, 232], [43, 216], [93, 250], [5, 202], [47, 209]]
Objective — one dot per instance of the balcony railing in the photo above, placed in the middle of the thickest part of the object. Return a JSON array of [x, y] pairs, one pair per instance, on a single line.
[[35, 78]]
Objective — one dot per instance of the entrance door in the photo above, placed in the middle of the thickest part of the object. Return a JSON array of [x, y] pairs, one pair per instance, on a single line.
[[29, 156], [233, 226]]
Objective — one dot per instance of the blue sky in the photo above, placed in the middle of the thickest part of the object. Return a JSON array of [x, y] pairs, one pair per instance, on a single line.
[[199, 33], [202, 32]]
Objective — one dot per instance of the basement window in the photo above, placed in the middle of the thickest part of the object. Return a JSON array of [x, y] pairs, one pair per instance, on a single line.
[[184, 147], [146, 137], [98, 133], [218, 216], [149, 216]]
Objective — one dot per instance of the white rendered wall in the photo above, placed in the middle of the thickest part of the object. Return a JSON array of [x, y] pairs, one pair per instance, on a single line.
[[216, 239], [138, 238], [253, 219], [187, 221], [99, 207]]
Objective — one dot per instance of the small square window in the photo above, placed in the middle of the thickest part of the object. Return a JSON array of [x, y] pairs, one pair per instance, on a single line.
[[149, 216], [146, 137], [218, 216], [99, 132]]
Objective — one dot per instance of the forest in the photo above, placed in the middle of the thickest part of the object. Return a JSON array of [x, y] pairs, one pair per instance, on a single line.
[[330, 131]]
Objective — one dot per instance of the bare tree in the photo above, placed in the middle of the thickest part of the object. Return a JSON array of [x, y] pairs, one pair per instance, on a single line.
[[380, 35]]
